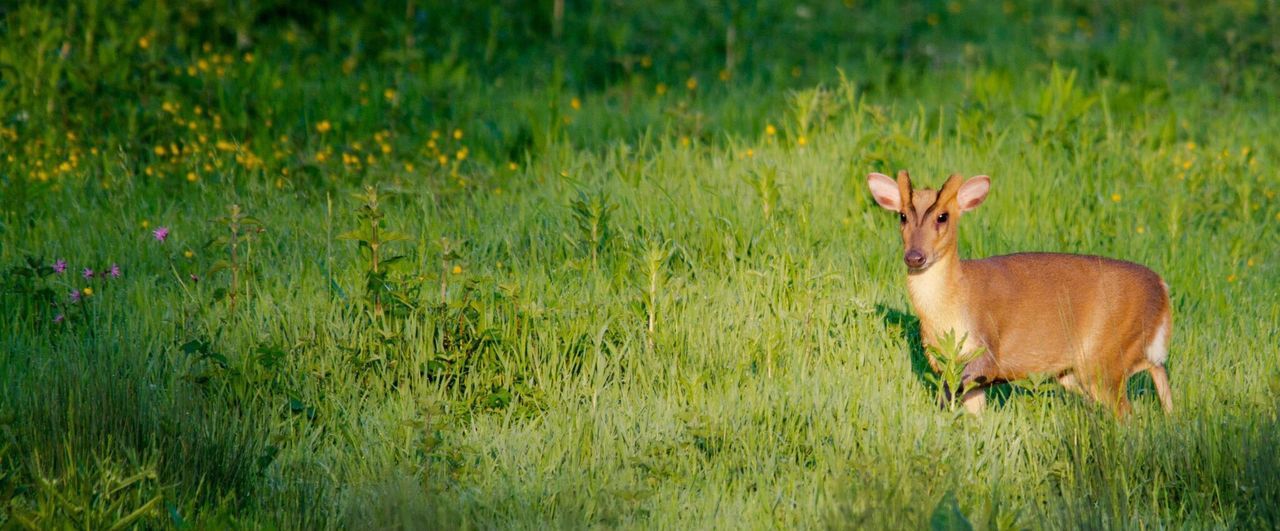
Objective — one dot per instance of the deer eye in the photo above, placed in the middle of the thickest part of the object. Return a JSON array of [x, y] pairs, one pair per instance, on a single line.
[[942, 218], [902, 218]]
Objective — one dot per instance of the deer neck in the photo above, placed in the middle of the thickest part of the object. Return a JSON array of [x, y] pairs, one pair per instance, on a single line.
[[938, 296]]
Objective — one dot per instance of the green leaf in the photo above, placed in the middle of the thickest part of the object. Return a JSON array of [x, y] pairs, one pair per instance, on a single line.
[[333, 285], [193, 346], [218, 241], [177, 519], [391, 260], [216, 358], [947, 515], [216, 267], [392, 236], [269, 357], [357, 234]]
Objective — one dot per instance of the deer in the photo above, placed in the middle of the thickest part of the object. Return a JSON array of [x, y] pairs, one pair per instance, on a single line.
[[1091, 322]]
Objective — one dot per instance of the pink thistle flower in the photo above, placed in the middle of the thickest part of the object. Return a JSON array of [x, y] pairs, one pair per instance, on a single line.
[[161, 234], [87, 273], [60, 266], [75, 296], [114, 272], [58, 318]]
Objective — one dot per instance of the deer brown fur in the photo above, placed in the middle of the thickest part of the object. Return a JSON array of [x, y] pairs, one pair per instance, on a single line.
[[1090, 321]]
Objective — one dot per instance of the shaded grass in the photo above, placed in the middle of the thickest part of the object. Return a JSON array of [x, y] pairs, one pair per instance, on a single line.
[[521, 385]]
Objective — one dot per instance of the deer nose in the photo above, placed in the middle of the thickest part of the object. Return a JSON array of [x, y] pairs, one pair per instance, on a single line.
[[914, 258]]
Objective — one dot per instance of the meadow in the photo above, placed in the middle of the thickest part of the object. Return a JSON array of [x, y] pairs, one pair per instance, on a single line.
[[600, 264]]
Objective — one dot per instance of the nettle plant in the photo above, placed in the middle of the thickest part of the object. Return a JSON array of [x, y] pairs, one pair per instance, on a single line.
[[237, 240], [951, 360], [384, 294], [653, 254], [764, 182], [591, 215]]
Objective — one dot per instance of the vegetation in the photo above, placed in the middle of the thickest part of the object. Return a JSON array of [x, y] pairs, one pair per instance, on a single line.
[[589, 264]]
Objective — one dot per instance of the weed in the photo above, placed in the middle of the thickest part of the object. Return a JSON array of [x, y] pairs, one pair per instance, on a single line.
[[950, 360]]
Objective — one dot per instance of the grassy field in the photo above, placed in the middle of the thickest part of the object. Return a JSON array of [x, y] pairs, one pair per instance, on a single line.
[[486, 266]]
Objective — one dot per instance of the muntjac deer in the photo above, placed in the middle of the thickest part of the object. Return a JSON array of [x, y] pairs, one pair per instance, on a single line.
[[1090, 321]]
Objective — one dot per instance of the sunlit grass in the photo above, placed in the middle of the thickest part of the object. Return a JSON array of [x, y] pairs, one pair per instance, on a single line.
[[480, 288]]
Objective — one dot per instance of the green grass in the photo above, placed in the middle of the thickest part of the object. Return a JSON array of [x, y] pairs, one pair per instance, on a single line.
[[654, 307]]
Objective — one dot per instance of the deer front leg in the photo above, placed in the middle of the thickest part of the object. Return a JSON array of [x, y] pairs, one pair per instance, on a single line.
[[974, 383]]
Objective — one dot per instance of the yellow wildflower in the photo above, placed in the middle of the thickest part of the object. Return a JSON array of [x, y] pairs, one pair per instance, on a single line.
[[324, 126]]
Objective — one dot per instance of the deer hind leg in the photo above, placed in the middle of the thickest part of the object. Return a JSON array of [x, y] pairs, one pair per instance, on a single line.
[[1161, 378], [1107, 386]]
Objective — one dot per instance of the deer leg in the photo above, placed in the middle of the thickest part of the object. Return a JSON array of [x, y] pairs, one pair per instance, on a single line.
[[975, 400], [1161, 379], [1069, 382], [1109, 389], [974, 382]]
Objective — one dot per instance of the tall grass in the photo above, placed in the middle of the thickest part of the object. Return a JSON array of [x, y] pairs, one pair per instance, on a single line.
[[627, 276]]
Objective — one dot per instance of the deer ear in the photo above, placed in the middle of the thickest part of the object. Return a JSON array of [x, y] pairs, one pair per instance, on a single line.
[[885, 191], [973, 192]]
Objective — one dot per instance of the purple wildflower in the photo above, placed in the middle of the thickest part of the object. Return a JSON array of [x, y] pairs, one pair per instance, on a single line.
[[58, 318], [114, 272], [60, 266], [161, 233], [75, 295], [87, 273]]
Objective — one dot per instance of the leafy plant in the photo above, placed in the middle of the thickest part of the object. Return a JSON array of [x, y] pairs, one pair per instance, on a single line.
[[591, 214], [951, 360], [654, 252], [764, 182], [240, 231], [104, 494], [372, 236]]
